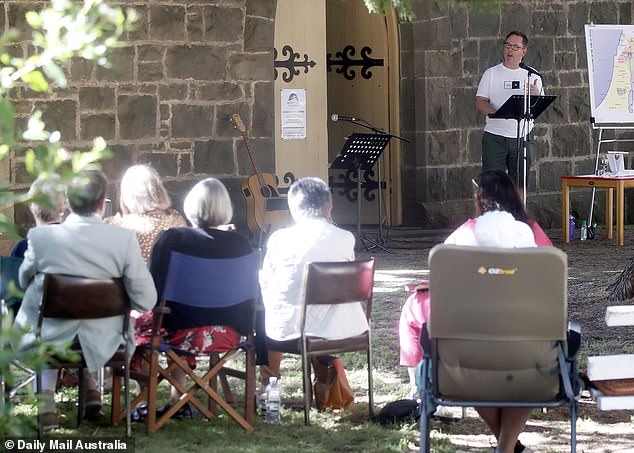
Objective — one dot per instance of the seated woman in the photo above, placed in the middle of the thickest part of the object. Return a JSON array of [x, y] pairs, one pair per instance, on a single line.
[[502, 222], [145, 209], [208, 208]]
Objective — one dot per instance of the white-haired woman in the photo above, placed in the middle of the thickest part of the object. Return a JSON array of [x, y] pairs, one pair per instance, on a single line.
[[208, 208], [145, 207]]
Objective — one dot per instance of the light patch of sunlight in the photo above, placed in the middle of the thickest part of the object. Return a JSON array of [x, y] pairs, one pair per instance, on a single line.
[[390, 281]]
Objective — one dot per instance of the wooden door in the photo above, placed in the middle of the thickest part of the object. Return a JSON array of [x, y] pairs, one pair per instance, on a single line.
[[362, 79], [300, 64]]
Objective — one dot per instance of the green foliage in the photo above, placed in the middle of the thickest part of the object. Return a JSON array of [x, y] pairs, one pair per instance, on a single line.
[[63, 30], [481, 5], [402, 7]]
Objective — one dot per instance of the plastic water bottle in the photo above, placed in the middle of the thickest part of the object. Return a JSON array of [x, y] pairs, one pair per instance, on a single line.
[[273, 401], [584, 230], [572, 228]]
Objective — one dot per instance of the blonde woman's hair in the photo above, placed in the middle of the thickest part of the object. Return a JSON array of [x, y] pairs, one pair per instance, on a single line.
[[208, 204], [142, 191]]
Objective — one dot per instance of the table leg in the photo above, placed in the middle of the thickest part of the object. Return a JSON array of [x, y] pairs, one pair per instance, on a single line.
[[565, 211], [620, 212], [609, 212]]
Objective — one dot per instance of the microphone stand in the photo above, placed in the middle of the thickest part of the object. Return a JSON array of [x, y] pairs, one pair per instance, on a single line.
[[381, 243]]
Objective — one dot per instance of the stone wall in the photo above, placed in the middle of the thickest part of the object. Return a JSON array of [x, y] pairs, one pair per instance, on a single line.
[[443, 55], [170, 93]]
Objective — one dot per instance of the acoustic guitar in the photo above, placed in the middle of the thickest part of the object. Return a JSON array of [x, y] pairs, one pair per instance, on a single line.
[[261, 192]]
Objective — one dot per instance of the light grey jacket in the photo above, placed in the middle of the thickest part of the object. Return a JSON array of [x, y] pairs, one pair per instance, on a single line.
[[86, 247]]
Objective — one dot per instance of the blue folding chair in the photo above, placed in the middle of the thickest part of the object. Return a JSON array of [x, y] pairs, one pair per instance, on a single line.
[[202, 292]]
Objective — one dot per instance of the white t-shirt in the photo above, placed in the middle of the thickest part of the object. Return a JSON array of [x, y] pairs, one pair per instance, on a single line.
[[498, 83]]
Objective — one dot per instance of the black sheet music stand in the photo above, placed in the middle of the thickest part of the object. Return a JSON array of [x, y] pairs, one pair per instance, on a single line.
[[360, 152], [513, 109]]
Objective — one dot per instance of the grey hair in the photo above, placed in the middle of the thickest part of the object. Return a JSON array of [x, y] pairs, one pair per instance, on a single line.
[[142, 191], [309, 198], [208, 204], [50, 206]]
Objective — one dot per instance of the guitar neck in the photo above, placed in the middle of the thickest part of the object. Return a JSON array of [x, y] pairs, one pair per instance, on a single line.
[[256, 170]]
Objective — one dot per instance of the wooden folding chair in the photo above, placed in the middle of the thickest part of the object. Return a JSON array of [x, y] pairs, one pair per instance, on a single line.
[[73, 297], [333, 283], [202, 292], [498, 332]]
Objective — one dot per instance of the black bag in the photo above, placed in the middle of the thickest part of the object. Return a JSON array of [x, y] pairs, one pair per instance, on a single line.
[[399, 411]]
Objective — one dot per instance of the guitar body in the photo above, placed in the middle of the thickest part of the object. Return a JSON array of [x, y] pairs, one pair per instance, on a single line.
[[256, 190]]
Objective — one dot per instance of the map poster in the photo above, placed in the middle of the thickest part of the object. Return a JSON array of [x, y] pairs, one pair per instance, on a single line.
[[610, 50]]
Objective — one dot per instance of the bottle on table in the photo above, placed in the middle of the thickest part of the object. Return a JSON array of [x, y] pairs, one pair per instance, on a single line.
[[273, 401]]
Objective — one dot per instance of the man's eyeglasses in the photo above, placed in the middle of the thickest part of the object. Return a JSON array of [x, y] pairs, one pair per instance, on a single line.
[[512, 46]]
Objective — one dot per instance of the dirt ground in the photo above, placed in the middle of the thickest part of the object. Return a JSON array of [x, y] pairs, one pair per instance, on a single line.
[[593, 265]]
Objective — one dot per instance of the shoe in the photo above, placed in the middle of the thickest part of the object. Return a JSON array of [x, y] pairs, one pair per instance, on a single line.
[[183, 412], [49, 421], [92, 406], [519, 448], [139, 414]]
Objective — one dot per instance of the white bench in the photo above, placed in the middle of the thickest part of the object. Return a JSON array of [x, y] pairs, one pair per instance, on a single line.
[[619, 366]]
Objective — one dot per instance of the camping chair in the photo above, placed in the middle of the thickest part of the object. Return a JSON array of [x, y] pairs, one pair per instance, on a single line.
[[201, 292], [73, 297], [498, 332], [9, 271], [330, 283]]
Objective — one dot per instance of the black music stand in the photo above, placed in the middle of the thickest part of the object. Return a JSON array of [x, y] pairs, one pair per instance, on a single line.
[[514, 109], [360, 152]]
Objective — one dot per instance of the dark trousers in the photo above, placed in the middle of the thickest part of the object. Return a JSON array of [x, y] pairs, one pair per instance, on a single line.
[[500, 153]]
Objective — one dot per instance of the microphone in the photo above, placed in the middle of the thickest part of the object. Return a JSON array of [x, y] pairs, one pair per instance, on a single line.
[[530, 69], [335, 117]]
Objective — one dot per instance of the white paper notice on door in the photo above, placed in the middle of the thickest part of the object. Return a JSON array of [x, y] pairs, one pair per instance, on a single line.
[[293, 114]]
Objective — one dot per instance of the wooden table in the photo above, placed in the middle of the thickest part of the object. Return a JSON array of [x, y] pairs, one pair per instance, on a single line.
[[599, 182]]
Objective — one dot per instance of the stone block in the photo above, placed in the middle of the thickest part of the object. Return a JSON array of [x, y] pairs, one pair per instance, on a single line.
[[15, 15], [469, 48], [579, 106], [263, 112], [471, 67], [223, 24], [557, 113], [251, 67], [442, 63], [165, 112], [603, 13], [196, 62], [184, 163], [582, 59], [172, 92], [122, 158], [444, 147], [515, 16], [150, 71], [458, 20], [578, 17], [60, 116], [218, 91], [540, 54], [583, 166], [96, 98], [432, 35], [625, 13], [474, 145], [490, 53], [408, 106], [258, 34], [121, 66], [437, 94], [214, 157], [463, 112], [570, 79], [195, 26], [564, 44], [459, 181], [165, 164], [141, 30], [407, 64], [550, 174], [483, 23], [549, 23], [101, 125], [167, 23], [137, 116], [261, 8], [222, 121], [264, 158], [570, 140], [81, 70], [565, 61], [192, 120], [150, 52]]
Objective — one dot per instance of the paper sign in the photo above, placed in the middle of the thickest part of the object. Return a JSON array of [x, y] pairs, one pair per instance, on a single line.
[[293, 112]]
